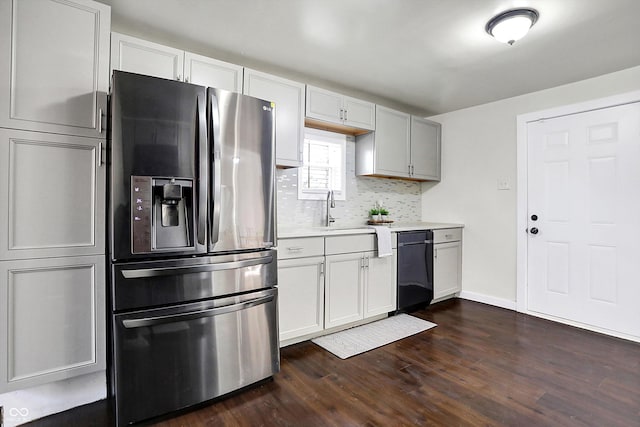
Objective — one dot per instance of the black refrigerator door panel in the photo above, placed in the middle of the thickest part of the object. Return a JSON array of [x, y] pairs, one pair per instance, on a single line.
[[242, 168], [157, 139]]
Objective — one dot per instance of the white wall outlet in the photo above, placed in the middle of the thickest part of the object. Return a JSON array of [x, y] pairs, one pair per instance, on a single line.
[[504, 184]]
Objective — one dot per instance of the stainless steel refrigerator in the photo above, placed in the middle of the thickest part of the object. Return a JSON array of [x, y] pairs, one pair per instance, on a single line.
[[193, 271]]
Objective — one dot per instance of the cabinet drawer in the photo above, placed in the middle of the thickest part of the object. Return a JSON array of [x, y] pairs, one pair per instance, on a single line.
[[350, 243], [300, 247], [447, 235]]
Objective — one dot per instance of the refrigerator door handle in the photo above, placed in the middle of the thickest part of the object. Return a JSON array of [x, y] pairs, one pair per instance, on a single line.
[[214, 121], [201, 143], [158, 320], [174, 271]]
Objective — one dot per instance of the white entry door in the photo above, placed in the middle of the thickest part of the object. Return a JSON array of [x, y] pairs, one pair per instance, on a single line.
[[584, 218]]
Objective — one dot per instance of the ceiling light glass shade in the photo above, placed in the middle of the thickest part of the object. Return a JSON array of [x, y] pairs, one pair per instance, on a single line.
[[512, 25]]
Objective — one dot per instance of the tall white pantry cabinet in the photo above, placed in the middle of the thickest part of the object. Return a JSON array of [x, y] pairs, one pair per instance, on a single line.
[[54, 78]]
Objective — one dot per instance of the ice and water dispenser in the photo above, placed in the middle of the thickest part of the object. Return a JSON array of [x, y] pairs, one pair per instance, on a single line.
[[162, 211]]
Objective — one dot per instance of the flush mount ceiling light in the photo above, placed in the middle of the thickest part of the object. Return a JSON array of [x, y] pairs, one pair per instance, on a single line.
[[512, 25]]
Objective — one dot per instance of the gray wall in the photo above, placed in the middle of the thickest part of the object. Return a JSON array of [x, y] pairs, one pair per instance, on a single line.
[[478, 148]]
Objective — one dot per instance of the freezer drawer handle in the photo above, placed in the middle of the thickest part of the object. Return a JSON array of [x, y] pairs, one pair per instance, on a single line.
[[158, 320], [173, 271]]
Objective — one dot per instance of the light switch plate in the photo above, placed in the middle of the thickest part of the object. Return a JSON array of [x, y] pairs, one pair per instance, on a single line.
[[504, 184]]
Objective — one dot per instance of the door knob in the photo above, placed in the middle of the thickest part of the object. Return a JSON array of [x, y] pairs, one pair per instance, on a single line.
[[534, 217], [534, 230]]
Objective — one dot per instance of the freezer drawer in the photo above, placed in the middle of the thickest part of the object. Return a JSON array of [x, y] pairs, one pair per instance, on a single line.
[[172, 358], [155, 283]]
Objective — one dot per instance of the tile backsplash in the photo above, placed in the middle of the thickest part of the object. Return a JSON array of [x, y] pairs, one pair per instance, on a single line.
[[401, 198]]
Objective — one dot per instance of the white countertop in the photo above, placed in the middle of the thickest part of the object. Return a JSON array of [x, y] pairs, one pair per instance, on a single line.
[[337, 230]]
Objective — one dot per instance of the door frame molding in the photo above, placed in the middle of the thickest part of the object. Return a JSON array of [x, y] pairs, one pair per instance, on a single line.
[[521, 191]]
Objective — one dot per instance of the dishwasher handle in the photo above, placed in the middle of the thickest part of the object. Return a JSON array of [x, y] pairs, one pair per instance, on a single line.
[[194, 315], [422, 242]]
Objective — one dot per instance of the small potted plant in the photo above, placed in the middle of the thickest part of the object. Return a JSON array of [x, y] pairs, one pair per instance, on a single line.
[[384, 214], [374, 214]]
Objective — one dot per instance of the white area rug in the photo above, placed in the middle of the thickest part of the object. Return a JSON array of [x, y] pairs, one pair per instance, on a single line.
[[360, 339]]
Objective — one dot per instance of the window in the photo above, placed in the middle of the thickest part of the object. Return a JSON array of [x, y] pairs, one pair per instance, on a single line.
[[323, 165]]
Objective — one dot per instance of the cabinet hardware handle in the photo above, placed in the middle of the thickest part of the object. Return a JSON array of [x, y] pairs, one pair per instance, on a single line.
[[345, 115], [186, 79], [435, 253], [448, 236], [100, 120], [321, 269], [295, 248], [179, 78], [367, 262], [341, 114], [100, 160]]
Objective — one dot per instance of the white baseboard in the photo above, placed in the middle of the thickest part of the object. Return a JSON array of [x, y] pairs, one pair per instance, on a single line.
[[29, 404], [487, 299]]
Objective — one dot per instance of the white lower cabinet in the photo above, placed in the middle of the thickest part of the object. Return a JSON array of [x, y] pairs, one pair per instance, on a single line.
[[344, 289], [300, 297], [53, 320], [380, 287], [358, 286], [447, 263], [324, 283]]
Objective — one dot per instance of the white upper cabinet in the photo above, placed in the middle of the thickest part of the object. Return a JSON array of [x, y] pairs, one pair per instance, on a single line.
[[205, 71], [339, 109], [402, 146], [289, 99], [386, 151], [143, 57], [425, 149], [52, 190], [54, 66], [152, 59]]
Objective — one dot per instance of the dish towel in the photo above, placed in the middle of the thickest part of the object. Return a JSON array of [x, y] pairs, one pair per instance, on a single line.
[[384, 240]]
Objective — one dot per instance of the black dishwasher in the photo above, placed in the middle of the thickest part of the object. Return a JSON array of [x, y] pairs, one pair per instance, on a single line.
[[415, 269]]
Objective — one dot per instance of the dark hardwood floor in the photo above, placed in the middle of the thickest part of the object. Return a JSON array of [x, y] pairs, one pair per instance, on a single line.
[[482, 366]]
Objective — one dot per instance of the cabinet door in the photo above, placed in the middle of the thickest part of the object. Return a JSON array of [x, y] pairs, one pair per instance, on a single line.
[[324, 105], [380, 285], [447, 267], [289, 100], [54, 66], [359, 114], [143, 57], [52, 190], [343, 289], [204, 71], [425, 149], [392, 142], [53, 320], [300, 297]]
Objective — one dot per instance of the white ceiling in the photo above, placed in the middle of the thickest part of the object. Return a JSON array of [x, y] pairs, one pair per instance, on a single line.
[[431, 55]]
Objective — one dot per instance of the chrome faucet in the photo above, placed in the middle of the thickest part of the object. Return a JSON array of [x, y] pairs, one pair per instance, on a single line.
[[331, 203]]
